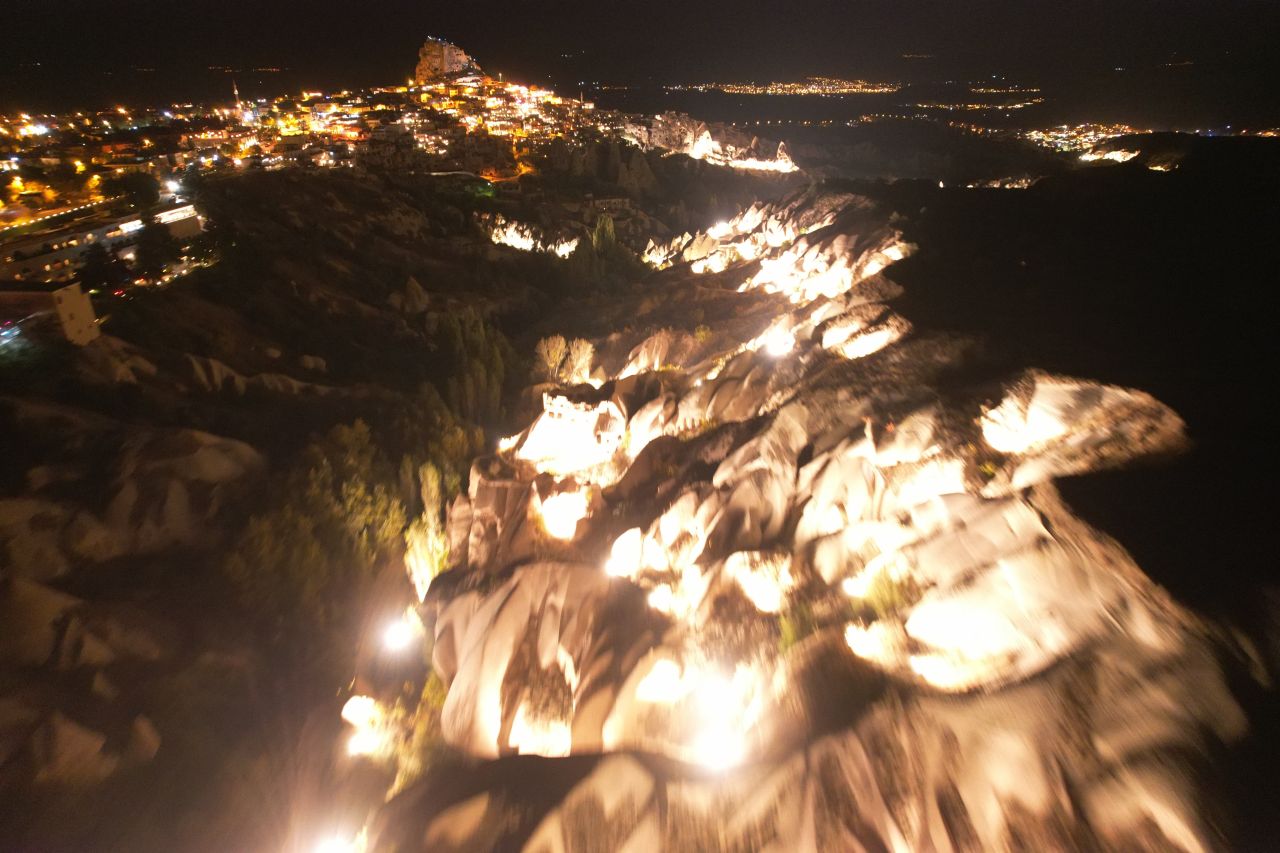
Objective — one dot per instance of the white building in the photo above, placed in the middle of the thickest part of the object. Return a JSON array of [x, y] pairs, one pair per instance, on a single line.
[[55, 256], [66, 305]]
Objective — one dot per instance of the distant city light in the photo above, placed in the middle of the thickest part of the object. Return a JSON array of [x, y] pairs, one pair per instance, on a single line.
[[822, 86]]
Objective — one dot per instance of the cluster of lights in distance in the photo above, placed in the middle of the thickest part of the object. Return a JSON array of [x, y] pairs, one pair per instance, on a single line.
[[825, 86]]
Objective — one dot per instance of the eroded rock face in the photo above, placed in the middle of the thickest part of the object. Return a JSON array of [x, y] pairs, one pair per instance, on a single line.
[[813, 603], [525, 237], [63, 721], [165, 488], [719, 144]]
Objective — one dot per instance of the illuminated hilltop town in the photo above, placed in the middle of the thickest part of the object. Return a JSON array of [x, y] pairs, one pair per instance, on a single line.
[[70, 181], [73, 180]]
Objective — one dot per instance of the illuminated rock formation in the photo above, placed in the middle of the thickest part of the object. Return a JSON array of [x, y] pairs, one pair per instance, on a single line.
[[717, 144], [775, 589], [438, 58], [527, 238]]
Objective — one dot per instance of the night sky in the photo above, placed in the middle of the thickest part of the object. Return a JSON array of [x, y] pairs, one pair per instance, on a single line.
[[62, 53]]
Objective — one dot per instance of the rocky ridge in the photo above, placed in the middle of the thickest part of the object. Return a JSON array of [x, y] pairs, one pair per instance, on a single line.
[[775, 583], [716, 143]]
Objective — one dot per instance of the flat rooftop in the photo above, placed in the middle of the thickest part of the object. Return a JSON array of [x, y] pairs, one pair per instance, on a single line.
[[13, 285]]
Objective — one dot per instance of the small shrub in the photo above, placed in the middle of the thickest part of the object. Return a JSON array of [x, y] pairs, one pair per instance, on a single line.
[[549, 355], [558, 360], [699, 429], [794, 624], [577, 363], [426, 744], [886, 596]]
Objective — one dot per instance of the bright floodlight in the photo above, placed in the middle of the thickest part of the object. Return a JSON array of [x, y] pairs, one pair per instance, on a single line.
[[332, 845], [625, 554], [718, 749], [562, 512], [398, 636], [779, 342], [364, 743], [372, 734], [338, 844], [172, 186]]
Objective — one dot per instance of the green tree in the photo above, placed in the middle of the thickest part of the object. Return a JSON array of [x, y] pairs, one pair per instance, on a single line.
[[558, 360], [604, 262], [157, 248], [426, 544], [302, 566], [548, 356], [102, 269], [577, 362], [142, 190], [604, 238]]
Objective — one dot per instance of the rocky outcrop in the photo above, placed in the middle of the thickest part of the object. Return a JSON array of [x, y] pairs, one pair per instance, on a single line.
[[635, 176], [413, 300], [525, 237], [784, 588], [625, 166], [165, 488], [209, 374], [64, 722], [719, 144], [111, 361]]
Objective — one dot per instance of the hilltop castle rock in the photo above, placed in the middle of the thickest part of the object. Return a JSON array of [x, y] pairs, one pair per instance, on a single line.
[[438, 58]]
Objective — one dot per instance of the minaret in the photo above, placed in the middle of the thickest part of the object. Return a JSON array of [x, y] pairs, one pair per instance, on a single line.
[[240, 110]]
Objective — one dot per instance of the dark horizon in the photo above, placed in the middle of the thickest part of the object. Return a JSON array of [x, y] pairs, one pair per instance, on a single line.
[[69, 55]]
